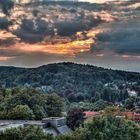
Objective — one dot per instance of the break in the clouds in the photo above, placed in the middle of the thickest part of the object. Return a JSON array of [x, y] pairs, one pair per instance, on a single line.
[[101, 34]]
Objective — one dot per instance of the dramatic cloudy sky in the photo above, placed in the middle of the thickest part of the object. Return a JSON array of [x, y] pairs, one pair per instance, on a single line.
[[99, 1], [100, 34]]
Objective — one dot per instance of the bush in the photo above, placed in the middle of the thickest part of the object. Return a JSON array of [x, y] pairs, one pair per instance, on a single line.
[[27, 133]]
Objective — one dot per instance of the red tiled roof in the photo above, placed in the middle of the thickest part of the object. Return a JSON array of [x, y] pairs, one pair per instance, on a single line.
[[129, 114], [90, 113], [137, 114], [137, 117]]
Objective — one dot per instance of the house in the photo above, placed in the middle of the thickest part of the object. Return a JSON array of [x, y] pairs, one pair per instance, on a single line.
[[89, 115], [53, 125], [58, 124], [133, 116], [137, 118]]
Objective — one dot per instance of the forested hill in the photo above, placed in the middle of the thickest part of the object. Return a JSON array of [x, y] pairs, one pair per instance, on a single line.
[[69, 79]]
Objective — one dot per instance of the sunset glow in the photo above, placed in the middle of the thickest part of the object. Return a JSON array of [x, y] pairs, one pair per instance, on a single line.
[[104, 34], [3, 58], [67, 48], [70, 49]]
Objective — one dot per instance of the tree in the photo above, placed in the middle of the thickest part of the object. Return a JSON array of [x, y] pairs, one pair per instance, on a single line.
[[99, 105], [21, 112], [54, 105], [73, 136], [75, 118], [20, 103], [130, 103], [110, 128], [111, 109], [26, 133]]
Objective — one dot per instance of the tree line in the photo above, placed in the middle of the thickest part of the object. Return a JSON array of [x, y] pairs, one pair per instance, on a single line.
[[26, 104], [74, 82]]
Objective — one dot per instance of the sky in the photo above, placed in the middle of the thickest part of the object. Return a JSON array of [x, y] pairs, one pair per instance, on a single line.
[[98, 1], [106, 35]]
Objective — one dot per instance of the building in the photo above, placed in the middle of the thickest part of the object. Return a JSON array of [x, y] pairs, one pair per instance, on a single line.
[[58, 124], [89, 115], [137, 118], [53, 125]]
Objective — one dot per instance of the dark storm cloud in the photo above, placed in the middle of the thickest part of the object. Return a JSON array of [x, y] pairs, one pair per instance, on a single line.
[[7, 42], [121, 38], [33, 31], [81, 23], [36, 26], [4, 23]]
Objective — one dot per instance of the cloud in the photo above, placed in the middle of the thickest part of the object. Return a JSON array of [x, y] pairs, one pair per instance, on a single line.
[[4, 23], [64, 33], [122, 38]]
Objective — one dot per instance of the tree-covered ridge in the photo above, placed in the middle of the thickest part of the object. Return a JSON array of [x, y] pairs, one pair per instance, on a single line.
[[28, 104], [75, 82]]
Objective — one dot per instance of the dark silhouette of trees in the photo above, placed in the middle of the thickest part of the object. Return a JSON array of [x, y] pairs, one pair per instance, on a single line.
[[75, 118]]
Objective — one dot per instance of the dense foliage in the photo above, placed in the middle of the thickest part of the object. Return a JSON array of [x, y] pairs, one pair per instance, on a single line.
[[28, 104], [27, 133], [110, 128], [96, 106], [74, 82], [75, 118], [101, 128], [131, 102]]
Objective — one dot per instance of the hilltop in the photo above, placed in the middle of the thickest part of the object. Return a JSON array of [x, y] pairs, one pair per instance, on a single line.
[[74, 81]]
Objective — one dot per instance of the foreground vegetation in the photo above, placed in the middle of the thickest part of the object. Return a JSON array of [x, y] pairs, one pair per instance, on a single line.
[[28, 104], [101, 128]]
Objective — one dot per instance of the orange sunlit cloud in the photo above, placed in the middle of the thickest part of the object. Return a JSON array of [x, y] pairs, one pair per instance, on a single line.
[[4, 58], [69, 48]]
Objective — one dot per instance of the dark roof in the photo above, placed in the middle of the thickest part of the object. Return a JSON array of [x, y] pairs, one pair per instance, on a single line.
[[64, 130]]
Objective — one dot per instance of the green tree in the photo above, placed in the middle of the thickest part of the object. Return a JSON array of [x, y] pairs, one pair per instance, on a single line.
[[99, 105], [54, 105], [110, 128], [28, 102], [27, 133], [73, 136], [130, 103], [75, 118], [110, 109], [21, 112]]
